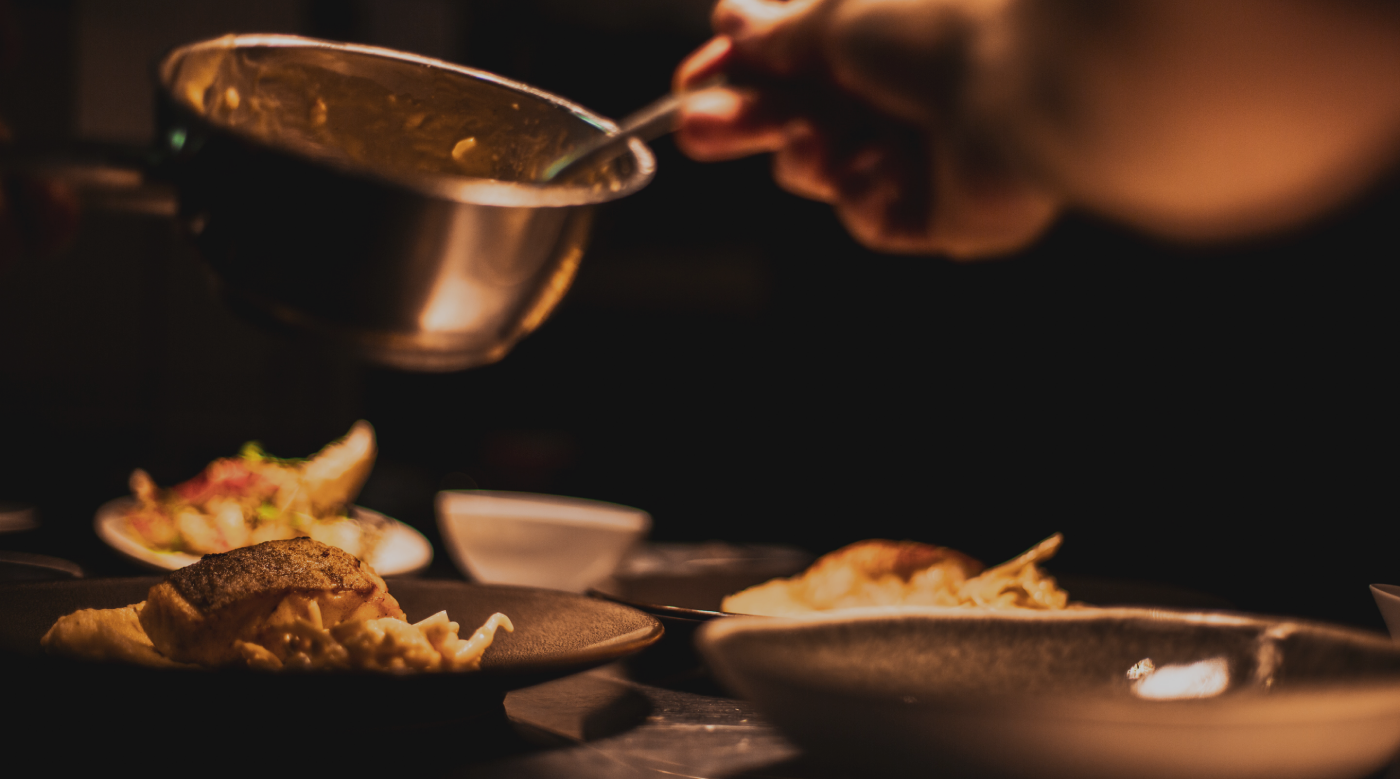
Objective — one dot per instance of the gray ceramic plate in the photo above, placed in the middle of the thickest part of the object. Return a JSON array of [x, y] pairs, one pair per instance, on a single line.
[[556, 634], [1081, 694]]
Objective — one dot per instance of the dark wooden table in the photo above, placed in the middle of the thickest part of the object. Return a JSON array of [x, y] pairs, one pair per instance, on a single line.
[[601, 723]]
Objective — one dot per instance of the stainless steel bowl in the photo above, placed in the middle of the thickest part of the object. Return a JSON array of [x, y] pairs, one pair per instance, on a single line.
[[384, 200]]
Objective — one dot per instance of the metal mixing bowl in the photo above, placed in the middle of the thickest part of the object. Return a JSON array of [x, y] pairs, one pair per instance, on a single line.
[[384, 200]]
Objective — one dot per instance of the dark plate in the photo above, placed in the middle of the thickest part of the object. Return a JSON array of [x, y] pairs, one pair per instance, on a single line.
[[657, 610], [27, 567], [1116, 693], [556, 634]]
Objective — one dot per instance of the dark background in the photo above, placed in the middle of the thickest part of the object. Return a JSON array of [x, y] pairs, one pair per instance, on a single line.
[[729, 359]]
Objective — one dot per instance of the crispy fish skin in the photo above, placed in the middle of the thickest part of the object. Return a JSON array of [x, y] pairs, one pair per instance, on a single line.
[[197, 614]]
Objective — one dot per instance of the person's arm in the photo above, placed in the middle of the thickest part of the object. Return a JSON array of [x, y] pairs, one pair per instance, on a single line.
[[962, 126]]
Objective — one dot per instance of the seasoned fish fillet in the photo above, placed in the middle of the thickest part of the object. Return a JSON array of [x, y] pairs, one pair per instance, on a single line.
[[253, 596]]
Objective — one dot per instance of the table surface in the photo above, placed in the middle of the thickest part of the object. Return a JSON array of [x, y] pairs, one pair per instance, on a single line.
[[601, 723], [605, 724], [614, 722]]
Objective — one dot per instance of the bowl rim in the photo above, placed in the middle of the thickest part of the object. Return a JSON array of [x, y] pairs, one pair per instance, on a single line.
[[619, 517], [461, 189], [1392, 590], [713, 640], [751, 623]]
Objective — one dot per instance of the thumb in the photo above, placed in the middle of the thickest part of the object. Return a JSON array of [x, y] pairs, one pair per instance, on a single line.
[[772, 37]]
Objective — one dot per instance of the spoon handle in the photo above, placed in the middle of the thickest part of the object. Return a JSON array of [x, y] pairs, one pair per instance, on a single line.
[[648, 123]]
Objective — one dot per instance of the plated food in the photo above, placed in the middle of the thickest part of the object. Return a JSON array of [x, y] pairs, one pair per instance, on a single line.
[[255, 497], [294, 604], [906, 573], [401, 550]]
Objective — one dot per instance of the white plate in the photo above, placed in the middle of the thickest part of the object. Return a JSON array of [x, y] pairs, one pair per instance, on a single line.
[[1067, 695], [403, 550]]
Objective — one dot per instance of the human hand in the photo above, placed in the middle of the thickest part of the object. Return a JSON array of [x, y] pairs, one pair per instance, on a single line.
[[826, 86]]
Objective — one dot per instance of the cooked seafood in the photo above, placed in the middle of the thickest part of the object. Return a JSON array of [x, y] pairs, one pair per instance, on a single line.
[[290, 604], [204, 612], [254, 497], [106, 635], [887, 573]]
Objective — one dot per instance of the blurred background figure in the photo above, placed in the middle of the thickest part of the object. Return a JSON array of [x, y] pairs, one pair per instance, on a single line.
[[731, 359], [37, 217]]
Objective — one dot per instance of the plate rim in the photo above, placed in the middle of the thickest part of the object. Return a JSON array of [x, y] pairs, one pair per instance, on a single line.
[[713, 638], [660, 610], [106, 523], [753, 622], [523, 673]]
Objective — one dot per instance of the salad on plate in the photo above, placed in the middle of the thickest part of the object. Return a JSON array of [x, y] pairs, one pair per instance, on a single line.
[[255, 497]]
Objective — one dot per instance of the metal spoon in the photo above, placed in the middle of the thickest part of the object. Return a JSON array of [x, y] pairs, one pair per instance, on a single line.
[[646, 124]]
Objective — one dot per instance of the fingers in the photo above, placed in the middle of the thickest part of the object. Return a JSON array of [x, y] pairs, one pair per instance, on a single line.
[[983, 211], [890, 190], [755, 37], [760, 42], [833, 160], [804, 164], [705, 63], [892, 182], [943, 203], [753, 17], [883, 193], [725, 124], [722, 123], [772, 37], [897, 191]]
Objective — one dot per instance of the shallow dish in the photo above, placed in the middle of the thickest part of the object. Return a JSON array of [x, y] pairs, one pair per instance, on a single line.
[[556, 634], [683, 595], [1070, 694], [402, 551]]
